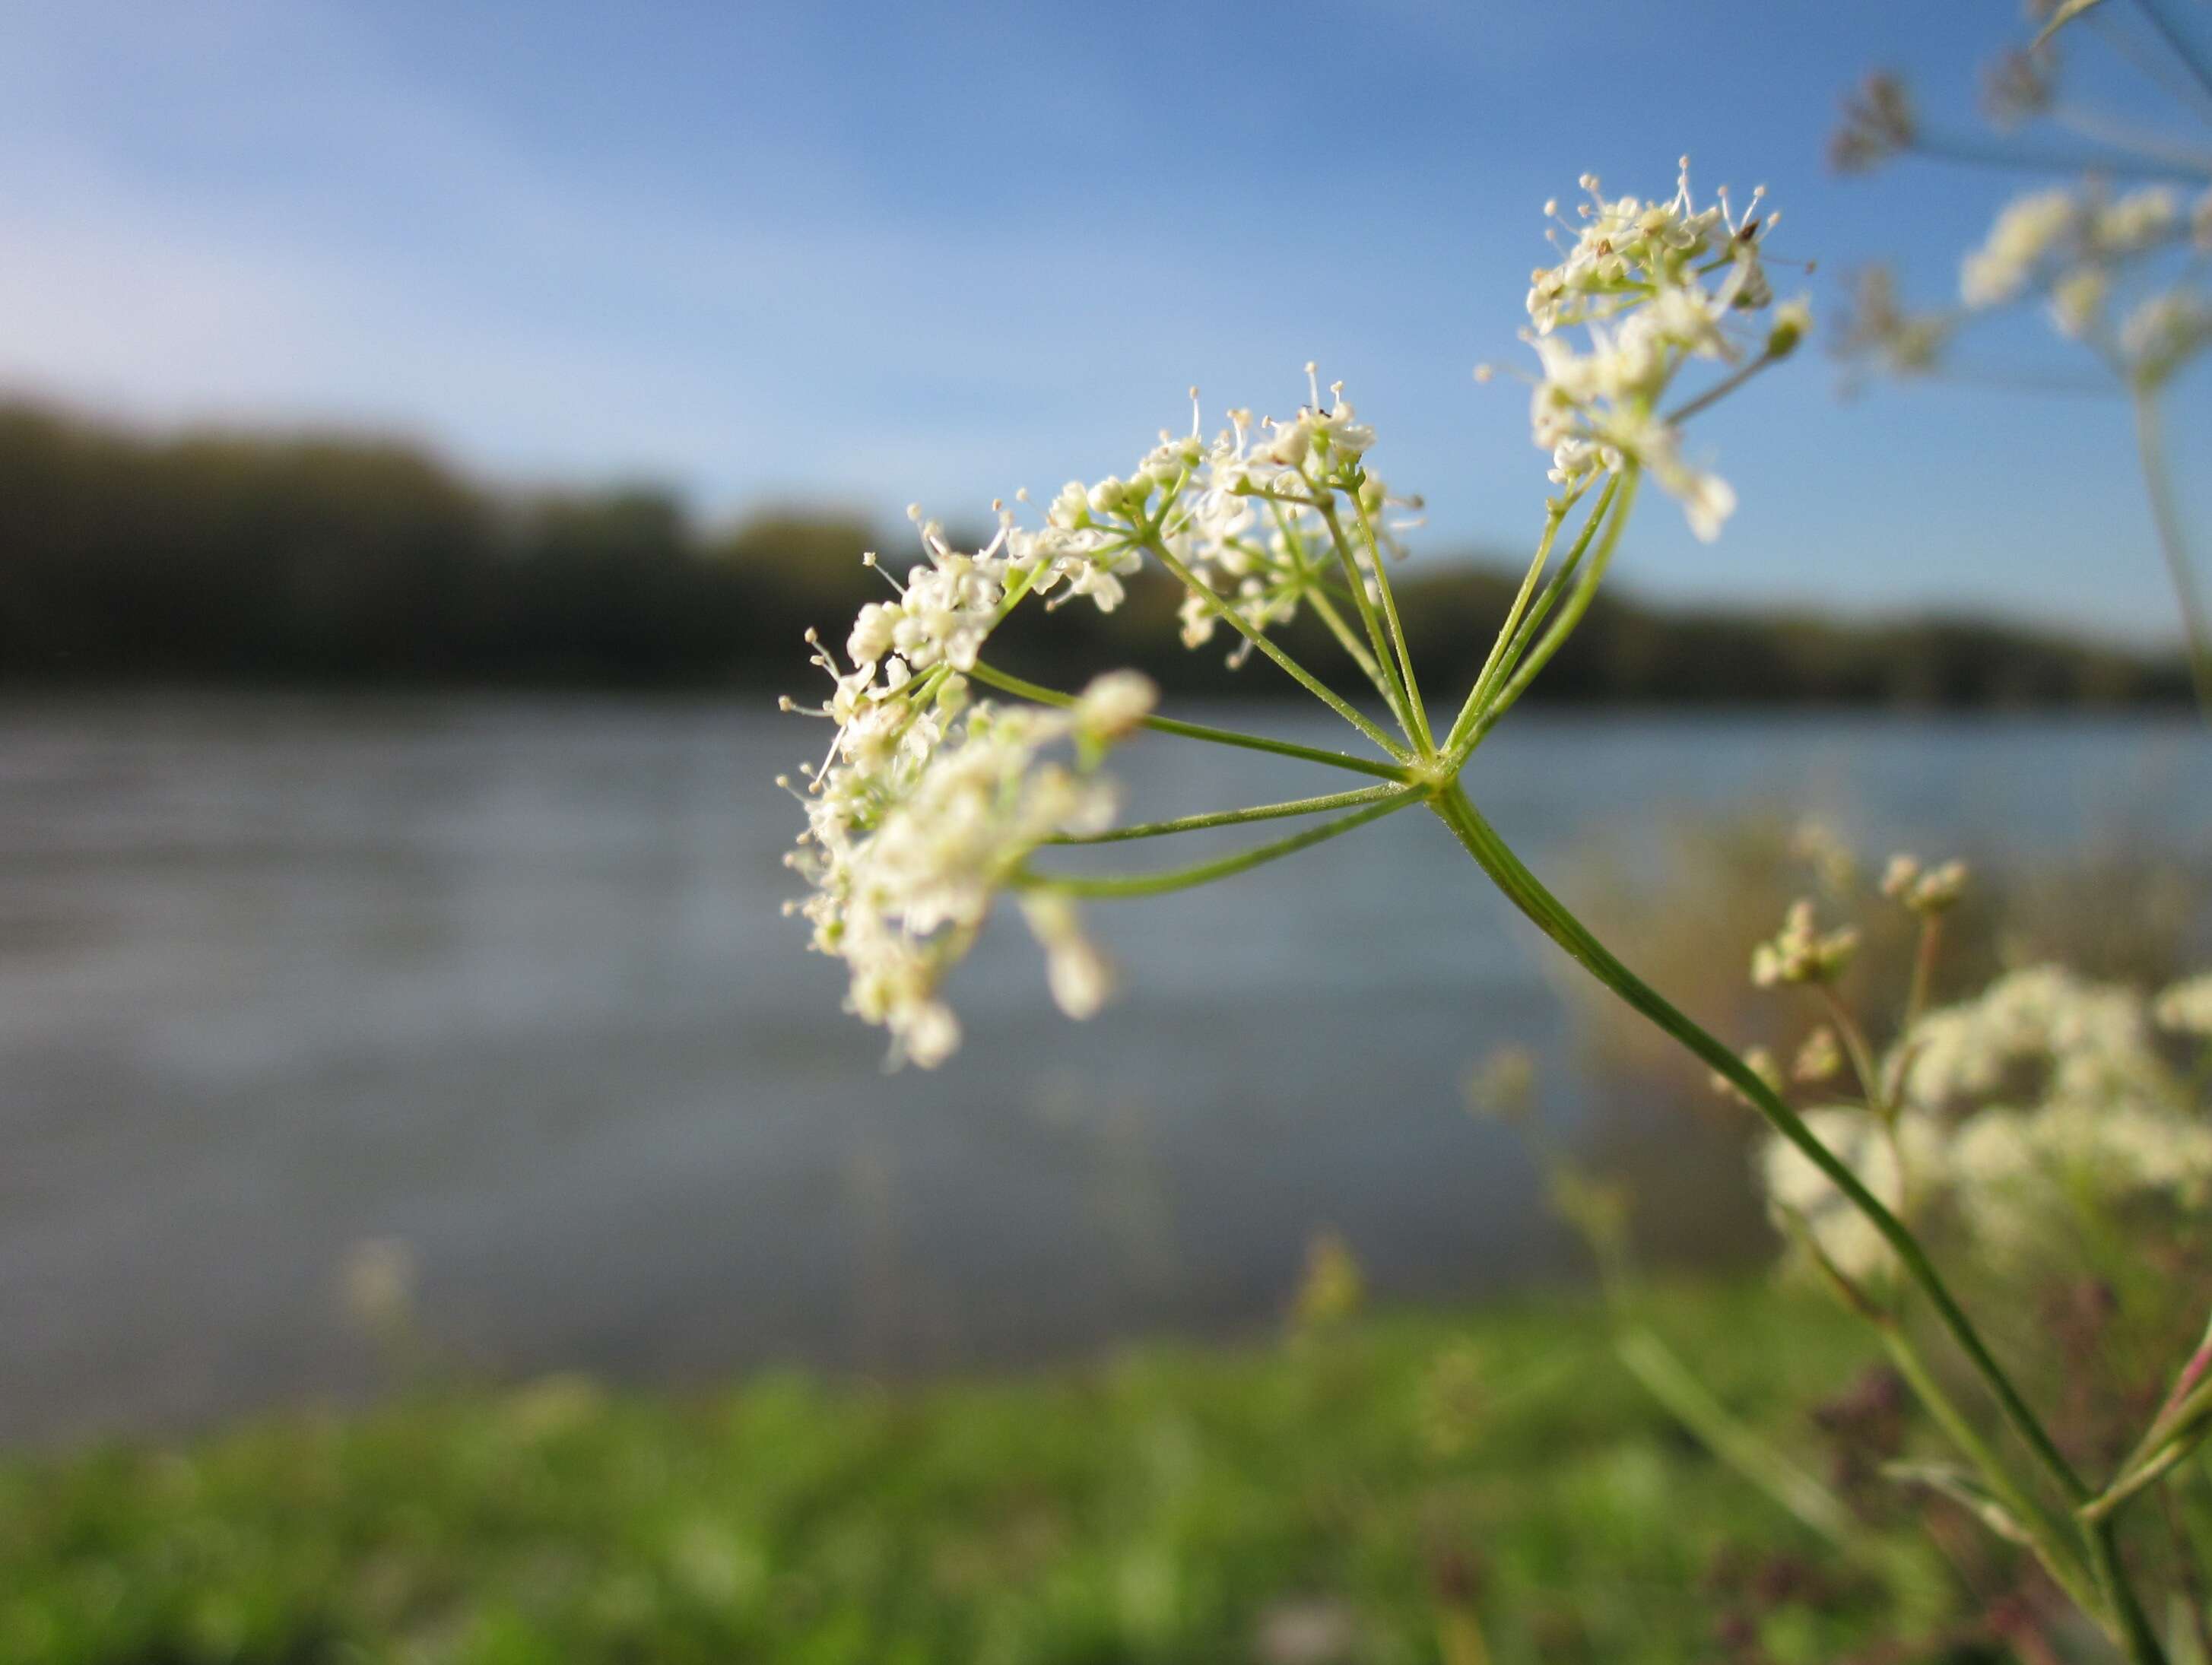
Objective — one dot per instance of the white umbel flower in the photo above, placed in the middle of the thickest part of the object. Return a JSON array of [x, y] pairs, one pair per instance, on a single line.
[[907, 854], [1658, 285]]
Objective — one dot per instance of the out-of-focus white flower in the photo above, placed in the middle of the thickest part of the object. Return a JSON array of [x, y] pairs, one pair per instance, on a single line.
[[2072, 243], [2017, 1174], [1801, 952], [1112, 706], [2026, 230], [2186, 1008], [2165, 332], [2090, 1041], [1081, 978], [1923, 890], [2047, 1095], [2141, 220], [1794, 1186], [2077, 301], [1819, 1057]]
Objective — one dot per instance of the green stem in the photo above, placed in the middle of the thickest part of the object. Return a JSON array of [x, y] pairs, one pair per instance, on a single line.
[[1720, 390], [1667, 1380], [1298, 673], [1335, 801], [2050, 1545], [1316, 592], [1389, 650], [2165, 513], [1856, 1049], [1204, 873], [990, 676], [2178, 41], [1522, 889], [1419, 711], [1923, 970], [1554, 518], [1353, 648], [2114, 164], [1563, 627], [2131, 1626]]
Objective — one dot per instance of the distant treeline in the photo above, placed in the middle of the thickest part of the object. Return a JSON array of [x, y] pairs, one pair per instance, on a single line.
[[223, 557]]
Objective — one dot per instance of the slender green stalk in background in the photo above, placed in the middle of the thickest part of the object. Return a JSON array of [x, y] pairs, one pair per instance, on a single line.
[[2173, 544]]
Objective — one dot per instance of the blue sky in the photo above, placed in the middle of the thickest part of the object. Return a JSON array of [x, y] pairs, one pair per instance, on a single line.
[[870, 253]]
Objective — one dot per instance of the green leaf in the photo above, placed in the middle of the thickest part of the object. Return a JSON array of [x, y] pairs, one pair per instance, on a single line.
[[1964, 1489]]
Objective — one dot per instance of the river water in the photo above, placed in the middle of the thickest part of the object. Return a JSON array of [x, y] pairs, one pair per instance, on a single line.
[[505, 981]]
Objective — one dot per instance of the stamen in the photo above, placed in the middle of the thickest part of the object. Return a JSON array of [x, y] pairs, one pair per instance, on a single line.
[[868, 560]]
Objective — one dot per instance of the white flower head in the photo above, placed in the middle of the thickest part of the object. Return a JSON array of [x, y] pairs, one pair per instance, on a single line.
[[1657, 286]]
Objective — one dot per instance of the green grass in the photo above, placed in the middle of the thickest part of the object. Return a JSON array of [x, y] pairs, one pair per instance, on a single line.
[[1171, 1504]]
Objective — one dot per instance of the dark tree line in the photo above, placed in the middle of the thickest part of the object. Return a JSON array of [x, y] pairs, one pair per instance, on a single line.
[[229, 558]]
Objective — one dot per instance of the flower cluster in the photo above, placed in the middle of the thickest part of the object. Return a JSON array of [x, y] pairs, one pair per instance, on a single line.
[[2044, 1094], [1925, 890], [1656, 284], [929, 802], [2186, 1008], [1801, 952], [2075, 246], [1270, 515], [907, 851], [1801, 1193]]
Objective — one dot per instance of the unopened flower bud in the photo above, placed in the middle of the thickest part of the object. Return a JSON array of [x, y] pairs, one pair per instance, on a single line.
[[1792, 320], [1115, 703]]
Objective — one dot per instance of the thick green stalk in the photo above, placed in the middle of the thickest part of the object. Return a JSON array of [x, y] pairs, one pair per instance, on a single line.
[[990, 676], [1204, 873], [1523, 889], [1335, 801]]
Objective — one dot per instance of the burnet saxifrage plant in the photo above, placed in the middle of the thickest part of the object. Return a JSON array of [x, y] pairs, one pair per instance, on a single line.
[[935, 799]]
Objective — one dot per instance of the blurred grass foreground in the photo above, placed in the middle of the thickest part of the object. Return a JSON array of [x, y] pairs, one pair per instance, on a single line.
[[1463, 1487]]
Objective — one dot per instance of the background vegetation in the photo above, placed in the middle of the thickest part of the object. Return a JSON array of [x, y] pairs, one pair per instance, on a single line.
[[335, 559], [1462, 1486]]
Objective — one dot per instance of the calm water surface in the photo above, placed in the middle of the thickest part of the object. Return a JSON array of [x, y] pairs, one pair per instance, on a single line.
[[506, 980]]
